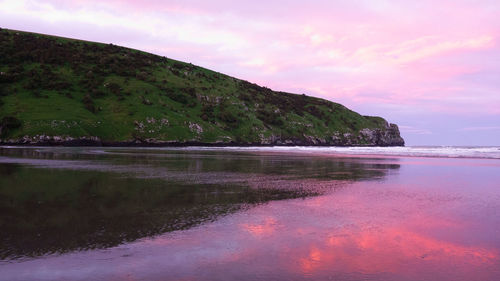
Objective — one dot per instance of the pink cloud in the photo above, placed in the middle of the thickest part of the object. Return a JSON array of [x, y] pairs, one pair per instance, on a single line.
[[435, 56]]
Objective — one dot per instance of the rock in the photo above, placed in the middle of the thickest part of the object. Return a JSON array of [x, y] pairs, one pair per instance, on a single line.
[[164, 122], [389, 136], [195, 128]]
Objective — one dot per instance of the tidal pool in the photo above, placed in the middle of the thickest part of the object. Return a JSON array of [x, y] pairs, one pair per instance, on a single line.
[[229, 214]]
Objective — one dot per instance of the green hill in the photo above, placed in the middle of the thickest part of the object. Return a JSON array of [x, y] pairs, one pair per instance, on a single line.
[[62, 91]]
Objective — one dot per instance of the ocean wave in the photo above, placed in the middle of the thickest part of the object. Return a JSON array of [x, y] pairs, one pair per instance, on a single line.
[[415, 151]]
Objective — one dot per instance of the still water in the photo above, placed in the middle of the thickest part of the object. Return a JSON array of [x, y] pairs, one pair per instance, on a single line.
[[246, 214]]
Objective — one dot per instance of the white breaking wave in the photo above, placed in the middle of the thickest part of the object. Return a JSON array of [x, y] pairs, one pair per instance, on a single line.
[[435, 151]]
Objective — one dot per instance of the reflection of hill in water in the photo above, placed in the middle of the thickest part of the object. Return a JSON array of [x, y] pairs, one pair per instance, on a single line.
[[60, 200]]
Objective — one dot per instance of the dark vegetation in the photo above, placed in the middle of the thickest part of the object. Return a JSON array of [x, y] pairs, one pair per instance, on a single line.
[[57, 86], [8, 123]]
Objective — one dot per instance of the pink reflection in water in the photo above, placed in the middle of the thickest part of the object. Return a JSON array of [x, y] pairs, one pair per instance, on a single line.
[[388, 250], [268, 227]]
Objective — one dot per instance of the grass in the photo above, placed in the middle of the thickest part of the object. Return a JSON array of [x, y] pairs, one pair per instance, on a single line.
[[64, 87]]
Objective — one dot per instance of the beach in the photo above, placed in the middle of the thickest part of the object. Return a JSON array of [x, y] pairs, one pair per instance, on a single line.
[[249, 213]]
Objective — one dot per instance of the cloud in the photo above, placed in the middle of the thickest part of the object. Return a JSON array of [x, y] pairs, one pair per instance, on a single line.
[[396, 56], [485, 128], [413, 130]]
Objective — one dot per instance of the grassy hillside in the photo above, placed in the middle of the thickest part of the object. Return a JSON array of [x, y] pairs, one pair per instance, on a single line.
[[55, 86]]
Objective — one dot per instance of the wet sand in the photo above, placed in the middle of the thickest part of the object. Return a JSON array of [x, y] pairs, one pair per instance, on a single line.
[[247, 215]]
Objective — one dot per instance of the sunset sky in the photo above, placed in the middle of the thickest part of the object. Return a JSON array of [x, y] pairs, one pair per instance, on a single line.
[[432, 67]]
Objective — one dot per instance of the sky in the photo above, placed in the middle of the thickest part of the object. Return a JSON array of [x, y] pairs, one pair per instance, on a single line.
[[432, 67]]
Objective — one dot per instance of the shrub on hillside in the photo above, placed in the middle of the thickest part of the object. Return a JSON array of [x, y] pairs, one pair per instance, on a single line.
[[89, 103], [7, 124], [269, 117], [207, 111], [227, 116]]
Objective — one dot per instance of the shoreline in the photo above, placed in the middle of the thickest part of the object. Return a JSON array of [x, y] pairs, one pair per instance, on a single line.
[[492, 152]]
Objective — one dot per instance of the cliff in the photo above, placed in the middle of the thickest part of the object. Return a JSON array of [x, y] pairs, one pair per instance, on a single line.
[[58, 91]]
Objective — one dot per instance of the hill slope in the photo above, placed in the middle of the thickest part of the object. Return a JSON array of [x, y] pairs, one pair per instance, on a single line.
[[61, 91]]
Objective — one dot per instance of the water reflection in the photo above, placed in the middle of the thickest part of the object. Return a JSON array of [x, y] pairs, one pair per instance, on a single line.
[[345, 218], [57, 200]]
